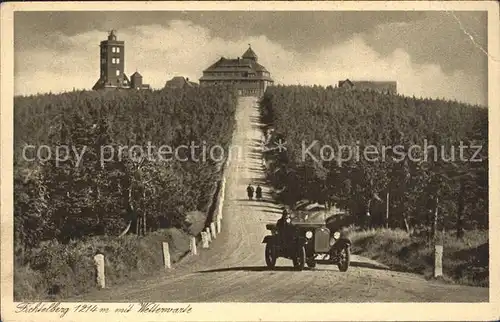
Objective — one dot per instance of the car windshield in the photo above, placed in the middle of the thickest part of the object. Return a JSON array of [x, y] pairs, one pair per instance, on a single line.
[[308, 217]]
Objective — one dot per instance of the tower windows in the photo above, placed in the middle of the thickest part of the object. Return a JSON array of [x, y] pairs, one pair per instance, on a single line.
[[117, 72], [117, 49]]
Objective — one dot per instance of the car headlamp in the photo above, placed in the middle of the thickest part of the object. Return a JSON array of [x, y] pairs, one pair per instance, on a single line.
[[288, 220], [309, 234], [336, 235]]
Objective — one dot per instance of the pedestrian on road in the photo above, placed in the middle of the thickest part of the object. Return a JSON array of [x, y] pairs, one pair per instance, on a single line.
[[258, 192], [250, 192]]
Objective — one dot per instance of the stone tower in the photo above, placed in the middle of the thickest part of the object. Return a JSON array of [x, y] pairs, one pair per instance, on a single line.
[[112, 64]]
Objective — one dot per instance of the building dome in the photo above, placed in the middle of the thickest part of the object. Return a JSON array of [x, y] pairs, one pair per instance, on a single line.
[[112, 35], [250, 54]]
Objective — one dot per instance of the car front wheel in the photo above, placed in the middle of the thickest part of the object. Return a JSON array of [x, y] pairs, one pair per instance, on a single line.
[[344, 258]]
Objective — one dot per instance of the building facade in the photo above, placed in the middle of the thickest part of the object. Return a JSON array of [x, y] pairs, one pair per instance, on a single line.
[[245, 74], [112, 67], [386, 87]]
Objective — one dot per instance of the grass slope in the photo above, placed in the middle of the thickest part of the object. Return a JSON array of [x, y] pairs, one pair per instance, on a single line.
[[464, 261], [56, 270]]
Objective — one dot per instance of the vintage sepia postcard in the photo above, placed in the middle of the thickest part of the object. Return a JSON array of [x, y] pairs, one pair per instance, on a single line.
[[250, 161]]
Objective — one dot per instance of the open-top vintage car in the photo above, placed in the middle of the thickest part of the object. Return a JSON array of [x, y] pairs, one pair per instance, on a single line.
[[307, 240]]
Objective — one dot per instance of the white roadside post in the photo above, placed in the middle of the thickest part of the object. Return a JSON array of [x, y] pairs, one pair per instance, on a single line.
[[209, 234], [99, 266], [219, 224], [438, 260], [221, 198], [192, 246], [166, 256], [204, 240], [212, 229]]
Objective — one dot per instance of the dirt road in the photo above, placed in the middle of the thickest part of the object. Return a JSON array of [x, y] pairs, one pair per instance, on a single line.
[[233, 269]]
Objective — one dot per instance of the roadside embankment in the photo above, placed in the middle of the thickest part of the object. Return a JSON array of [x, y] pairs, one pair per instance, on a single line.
[[465, 261]]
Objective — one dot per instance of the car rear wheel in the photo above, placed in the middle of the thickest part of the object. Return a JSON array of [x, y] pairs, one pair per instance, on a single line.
[[300, 259], [270, 255], [344, 258]]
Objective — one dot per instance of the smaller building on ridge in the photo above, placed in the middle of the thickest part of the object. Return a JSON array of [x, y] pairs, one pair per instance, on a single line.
[[180, 82], [136, 81], [386, 87]]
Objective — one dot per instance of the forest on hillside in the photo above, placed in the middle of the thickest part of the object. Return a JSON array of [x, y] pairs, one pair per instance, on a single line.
[[418, 183], [78, 195]]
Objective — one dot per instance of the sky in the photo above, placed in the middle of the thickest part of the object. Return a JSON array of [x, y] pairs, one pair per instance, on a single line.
[[429, 54]]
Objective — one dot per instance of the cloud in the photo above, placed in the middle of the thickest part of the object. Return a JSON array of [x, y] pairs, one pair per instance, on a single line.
[[183, 48]]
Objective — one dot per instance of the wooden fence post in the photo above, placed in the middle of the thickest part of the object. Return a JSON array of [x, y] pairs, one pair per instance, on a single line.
[[438, 260], [166, 256], [209, 234], [99, 267], [212, 229], [204, 240], [192, 246]]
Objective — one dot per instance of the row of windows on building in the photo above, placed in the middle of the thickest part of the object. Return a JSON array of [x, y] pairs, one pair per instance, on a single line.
[[113, 60], [249, 91], [113, 49], [243, 74], [229, 81], [117, 72]]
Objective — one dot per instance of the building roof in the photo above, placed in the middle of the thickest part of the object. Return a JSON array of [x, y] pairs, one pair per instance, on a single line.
[[235, 78], [370, 85], [250, 54], [346, 82], [112, 35], [136, 74], [180, 82], [237, 64], [244, 68]]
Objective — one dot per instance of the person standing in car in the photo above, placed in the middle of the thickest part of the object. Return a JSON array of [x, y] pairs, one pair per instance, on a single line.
[[283, 227]]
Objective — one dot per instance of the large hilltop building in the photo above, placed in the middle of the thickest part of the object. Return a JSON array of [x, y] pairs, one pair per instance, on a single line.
[[112, 63], [245, 73], [378, 86]]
